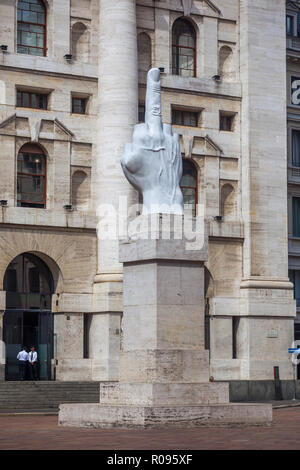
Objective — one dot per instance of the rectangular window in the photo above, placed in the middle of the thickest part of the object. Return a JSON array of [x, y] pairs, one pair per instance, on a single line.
[[296, 216], [141, 112], [79, 105], [290, 25], [184, 118], [27, 99], [294, 276], [227, 121], [296, 148]]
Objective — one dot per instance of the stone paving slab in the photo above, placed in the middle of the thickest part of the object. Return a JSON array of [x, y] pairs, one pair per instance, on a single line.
[[43, 433]]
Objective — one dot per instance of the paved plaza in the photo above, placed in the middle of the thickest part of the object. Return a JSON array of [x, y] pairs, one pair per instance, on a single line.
[[29, 432]]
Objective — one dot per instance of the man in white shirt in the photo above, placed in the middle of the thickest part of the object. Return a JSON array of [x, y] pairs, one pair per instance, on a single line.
[[23, 359], [32, 358]]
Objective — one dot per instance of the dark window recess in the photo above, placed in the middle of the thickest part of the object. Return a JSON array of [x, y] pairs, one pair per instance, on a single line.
[[184, 118], [31, 181], [79, 105], [226, 122], [294, 276], [26, 99], [298, 24], [86, 325], [297, 331], [11, 280], [31, 31], [184, 49], [207, 325], [296, 148], [142, 113], [290, 25], [235, 326], [296, 216], [188, 185], [34, 280]]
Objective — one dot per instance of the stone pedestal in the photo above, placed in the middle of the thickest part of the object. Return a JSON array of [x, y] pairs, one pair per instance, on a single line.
[[164, 368]]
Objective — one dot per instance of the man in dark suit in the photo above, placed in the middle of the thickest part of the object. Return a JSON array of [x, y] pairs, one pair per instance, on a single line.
[[32, 362], [22, 358]]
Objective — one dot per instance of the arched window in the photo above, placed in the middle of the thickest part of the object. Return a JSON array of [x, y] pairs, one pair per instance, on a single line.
[[31, 182], [184, 49], [31, 27], [188, 184]]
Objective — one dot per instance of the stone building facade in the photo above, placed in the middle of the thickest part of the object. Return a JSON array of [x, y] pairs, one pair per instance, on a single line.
[[72, 86], [293, 134]]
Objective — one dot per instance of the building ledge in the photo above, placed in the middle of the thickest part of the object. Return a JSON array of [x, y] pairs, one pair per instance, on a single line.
[[47, 218], [49, 66], [203, 86], [230, 229]]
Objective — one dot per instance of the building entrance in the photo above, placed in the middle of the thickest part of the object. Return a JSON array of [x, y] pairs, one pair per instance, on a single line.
[[28, 320]]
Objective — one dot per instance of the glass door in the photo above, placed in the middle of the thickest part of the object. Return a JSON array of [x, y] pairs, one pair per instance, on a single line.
[[13, 340], [28, 328], [45, 344]]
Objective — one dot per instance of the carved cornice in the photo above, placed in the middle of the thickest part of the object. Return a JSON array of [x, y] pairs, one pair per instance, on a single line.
[[187, 6]]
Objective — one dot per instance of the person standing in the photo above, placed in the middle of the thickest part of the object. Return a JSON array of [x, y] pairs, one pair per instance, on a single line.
[[32, 358], [23, 359]]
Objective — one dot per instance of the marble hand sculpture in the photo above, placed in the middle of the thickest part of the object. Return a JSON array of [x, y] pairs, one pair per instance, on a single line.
[[152, 163]]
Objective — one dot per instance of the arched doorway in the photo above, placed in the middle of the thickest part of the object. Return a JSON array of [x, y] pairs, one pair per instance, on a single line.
[[28, 319]]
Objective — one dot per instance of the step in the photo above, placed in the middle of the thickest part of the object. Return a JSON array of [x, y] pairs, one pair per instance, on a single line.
[[30, 395]]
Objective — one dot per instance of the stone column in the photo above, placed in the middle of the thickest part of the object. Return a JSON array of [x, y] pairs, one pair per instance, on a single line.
[[267, 307], [118, 106]]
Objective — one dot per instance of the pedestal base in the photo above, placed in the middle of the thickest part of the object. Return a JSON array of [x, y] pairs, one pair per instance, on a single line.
[[120, 416]]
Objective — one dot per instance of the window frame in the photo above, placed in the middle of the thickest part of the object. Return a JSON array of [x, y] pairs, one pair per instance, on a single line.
[[30, 93], [175, 68], [296, 219], [44, 48], [293, 160], [183, 111], [227, 115], [141, 110], [31, 150], [292, 23], [293, 273], [82, 98], [195, 189]]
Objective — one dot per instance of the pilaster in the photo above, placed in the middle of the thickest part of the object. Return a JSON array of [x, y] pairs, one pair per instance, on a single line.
[[118, 106], [267, 308]]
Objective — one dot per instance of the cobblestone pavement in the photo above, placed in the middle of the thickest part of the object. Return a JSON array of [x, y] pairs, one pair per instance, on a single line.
[[43, 432]]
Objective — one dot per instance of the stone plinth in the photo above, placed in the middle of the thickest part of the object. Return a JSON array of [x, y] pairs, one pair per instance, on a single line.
[[164, 367], [109, 416]]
